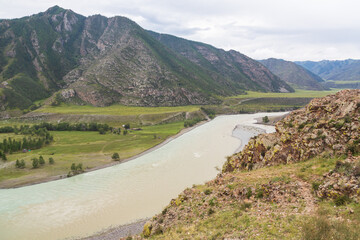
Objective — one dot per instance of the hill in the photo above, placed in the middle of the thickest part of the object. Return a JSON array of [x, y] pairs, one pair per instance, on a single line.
[[231, 65], [291, 184], [100, 61], [294, 74], [334, 70]]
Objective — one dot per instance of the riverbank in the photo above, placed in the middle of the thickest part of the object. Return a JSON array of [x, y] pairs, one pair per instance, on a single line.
[[41, 179], [122, 231]]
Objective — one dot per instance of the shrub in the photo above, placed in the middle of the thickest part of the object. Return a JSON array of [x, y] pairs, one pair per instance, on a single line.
[[115, 156], [259, 193], [265, 119], [35, 162], [20, 164], [341, 200], [315, 186], [249, 193], [212, 202], [211, 211], [51, 160], [207, 191], [301, 126], [41, 160]]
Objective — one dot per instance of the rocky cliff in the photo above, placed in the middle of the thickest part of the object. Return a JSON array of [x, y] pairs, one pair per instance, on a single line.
[[326, 125], [306, 191]]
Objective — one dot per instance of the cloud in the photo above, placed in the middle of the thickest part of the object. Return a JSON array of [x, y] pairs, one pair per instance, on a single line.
[[289, 29]]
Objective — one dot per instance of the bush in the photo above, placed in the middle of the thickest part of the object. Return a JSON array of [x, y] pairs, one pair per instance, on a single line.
[[341, 200], [315, 186], [259, 193], [207, 191], [35, 162], [211, 211], [41, 160], [265, 119], [192, 122], [51, 160], [115, 156], [20, 164], [249, 193]]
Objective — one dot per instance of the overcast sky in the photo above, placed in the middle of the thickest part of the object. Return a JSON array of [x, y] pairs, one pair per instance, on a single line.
[[287, 29]]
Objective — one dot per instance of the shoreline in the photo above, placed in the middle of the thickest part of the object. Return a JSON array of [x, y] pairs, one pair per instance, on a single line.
[[64, 176], [121, 231]]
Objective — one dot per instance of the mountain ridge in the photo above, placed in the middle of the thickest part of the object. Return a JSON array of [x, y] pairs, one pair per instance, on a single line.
[[103, 61], [292, 73], [348, 69]]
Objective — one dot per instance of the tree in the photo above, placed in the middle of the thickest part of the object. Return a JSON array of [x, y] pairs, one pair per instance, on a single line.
[[17, 164], [51, 160], [73, 167], [3, 156], [35, 162], [102, 131], [20, 164], [265, 119], [115, 156], [41, 160], [79, 167]]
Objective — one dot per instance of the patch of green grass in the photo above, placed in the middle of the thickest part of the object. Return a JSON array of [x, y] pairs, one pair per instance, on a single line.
[[120, 110], [89, 148], [297, 94]]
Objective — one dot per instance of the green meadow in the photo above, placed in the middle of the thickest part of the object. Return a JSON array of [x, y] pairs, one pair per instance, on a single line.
[[89, 148], [299, 93], [119, 110]]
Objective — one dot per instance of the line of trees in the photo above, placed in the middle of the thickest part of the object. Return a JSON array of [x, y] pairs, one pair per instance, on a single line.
[[10, 145], [38, 129]]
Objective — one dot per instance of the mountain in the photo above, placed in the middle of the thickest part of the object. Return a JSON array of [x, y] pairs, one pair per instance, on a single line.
[[294, 74], [100, 61], [290, 184], [231, 65], [334, 70]]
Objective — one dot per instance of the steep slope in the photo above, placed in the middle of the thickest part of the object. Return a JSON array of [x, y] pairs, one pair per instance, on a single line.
[[294, 74], [272, 188], [334, 70], [103, 60], [35, 53], [232, 66]]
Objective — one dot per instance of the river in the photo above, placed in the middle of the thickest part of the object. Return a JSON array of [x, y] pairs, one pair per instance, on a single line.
[[88, 203]]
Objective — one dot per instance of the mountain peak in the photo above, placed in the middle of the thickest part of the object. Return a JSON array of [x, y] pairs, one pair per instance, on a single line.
[[55, 10]]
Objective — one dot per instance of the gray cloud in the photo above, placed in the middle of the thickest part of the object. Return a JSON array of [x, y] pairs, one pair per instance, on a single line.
[[289, 29]]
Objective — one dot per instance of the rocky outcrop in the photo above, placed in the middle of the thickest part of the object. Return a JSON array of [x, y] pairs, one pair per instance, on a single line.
[[326, 125], [342, 183]]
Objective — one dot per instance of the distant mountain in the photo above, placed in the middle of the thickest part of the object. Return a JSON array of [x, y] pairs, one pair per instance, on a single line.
[[231, 65], [334, 70], [102, 61], [294, 74]]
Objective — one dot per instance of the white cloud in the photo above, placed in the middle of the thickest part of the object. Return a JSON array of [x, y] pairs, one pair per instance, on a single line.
[[289, 29]]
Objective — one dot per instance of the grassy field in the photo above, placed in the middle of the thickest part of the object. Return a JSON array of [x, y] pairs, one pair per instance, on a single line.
[[89, 148], [119, 110], [344, 82], [297, 94]]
